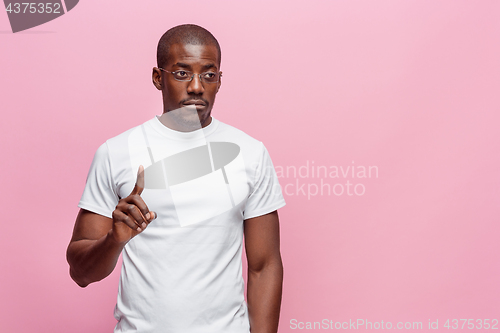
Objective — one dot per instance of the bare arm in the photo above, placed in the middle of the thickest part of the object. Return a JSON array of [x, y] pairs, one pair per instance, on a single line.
[[97, 240], [265, 272], [93, 252]]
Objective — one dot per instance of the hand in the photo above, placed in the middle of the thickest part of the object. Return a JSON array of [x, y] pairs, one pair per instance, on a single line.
[[132, 215]]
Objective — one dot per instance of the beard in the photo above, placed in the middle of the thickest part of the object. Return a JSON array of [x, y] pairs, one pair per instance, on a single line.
[[184, 119]]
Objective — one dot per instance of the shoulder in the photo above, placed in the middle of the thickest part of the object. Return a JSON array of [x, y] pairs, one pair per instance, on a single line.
[[120, 143], [253, 151], [124, 136], [114, 153], [233, 134]]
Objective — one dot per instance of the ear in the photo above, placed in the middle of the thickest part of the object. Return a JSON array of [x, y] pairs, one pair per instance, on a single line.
[[157, 78]]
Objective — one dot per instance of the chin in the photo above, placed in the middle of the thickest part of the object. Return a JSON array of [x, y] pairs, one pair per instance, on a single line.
[[203, 117], [187, 118], [188, 122], [192, 120]]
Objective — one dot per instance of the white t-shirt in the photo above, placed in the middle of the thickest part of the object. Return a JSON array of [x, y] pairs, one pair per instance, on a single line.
[[183, 273]]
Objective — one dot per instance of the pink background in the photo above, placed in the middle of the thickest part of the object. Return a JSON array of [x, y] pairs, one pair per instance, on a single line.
[[411, 87]]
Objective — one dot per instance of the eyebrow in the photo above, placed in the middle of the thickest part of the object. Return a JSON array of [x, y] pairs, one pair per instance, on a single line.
[[211, 65], [183, 65]]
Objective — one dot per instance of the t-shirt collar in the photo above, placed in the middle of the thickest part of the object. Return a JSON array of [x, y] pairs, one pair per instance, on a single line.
[[197, 134]]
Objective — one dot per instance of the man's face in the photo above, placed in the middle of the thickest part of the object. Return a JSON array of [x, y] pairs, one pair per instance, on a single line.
[[177, 94]]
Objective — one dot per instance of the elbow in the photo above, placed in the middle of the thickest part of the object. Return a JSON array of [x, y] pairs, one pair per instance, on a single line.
[[272, 266], [74, 274], [82, 285], [79, 281]]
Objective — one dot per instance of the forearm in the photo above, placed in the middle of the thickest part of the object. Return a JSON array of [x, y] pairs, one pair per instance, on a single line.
[[93, 260], [264, 297]]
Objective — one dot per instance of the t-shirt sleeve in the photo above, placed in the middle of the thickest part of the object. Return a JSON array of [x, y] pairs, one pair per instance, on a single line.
[[266, 195], [99, 195]]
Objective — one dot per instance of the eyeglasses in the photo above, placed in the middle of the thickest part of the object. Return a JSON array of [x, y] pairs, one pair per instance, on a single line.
[[206, 77]]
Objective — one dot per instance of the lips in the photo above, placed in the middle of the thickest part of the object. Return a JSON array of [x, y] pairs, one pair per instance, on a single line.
[[198, 103]]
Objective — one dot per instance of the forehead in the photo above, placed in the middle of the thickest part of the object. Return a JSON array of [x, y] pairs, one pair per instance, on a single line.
[[193, 55]]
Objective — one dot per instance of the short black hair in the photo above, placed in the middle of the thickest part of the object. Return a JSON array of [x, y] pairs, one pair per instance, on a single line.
[[184, 34]]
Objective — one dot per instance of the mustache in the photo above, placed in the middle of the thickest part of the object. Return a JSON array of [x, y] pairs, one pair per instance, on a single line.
[[194, 99]]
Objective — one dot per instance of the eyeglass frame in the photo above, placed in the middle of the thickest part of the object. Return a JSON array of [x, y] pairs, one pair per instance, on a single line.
[[192, 76]]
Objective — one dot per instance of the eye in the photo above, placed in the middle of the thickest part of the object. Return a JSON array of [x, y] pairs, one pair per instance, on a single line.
[[209, 75], [181, 73]]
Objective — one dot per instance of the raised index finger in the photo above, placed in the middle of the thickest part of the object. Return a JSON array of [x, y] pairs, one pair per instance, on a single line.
[[139, 184]]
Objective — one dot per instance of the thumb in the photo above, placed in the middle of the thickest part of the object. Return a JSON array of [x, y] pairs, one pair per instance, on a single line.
[[139, 184]]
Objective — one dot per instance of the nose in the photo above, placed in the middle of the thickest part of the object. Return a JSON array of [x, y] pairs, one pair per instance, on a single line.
[[195, 85]]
